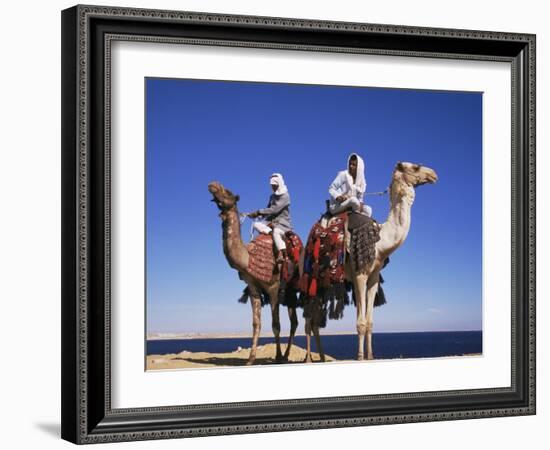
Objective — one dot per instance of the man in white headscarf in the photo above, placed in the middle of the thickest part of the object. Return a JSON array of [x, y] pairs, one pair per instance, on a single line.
[[277, 214], [348, 188]]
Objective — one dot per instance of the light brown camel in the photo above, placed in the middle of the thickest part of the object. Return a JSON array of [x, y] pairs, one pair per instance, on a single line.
[[237, 256], [406, 176]]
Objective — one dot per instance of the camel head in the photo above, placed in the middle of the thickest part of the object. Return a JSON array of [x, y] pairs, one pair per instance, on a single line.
[[413, 174], [224, 198]]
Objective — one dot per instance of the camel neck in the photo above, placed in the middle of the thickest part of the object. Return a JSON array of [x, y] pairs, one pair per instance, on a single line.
[[233, 246], [396, 228]]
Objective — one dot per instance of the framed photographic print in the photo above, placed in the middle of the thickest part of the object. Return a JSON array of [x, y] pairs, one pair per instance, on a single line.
[[267, 222]]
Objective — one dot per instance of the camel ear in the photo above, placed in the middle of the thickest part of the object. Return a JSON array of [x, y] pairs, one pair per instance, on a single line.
[[237, 198], [399, 165]]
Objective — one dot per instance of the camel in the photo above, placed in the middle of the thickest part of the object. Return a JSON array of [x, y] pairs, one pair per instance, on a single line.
[[237, 256], [406, 176]]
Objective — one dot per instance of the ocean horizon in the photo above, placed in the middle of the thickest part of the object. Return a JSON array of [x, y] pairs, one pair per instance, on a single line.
[[386, 345]]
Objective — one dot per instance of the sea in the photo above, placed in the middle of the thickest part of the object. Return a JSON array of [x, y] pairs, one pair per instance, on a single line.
[[343, 346]]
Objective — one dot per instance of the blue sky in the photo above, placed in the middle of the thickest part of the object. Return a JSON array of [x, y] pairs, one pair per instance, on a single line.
[[239, 133]]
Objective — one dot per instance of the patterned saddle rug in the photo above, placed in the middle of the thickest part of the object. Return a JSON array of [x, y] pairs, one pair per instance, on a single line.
[[364, 234], [325, 254], [261, 265], [261, 262]]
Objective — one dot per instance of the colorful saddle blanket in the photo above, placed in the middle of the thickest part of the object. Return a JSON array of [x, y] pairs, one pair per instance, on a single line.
[[325, 252], [324, 256], [261, 262]]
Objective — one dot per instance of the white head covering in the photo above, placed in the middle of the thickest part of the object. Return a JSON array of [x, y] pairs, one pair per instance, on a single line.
[[360, 182], [277, 180]]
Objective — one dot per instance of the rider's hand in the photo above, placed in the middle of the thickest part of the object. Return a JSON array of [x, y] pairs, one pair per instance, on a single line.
[[340, 198], [253, 215]]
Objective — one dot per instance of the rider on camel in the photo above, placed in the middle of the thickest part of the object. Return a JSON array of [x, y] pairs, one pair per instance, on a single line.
[[276, 216], [349, 186]]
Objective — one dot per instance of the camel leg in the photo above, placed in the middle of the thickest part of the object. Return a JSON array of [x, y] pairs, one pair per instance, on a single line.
[[308, 340], [315, 327], [256, 325], [276, 323], [318, 341], [293, 325], [360, 286], [372, 289]]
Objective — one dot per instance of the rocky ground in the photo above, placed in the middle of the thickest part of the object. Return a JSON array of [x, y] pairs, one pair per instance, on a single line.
[[265, 354]]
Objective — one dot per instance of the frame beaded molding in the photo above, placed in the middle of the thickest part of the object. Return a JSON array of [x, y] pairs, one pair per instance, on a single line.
[[109, 38], [87, 12]]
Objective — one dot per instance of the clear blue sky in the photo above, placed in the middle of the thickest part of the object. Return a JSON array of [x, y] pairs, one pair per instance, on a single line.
[[239, 133]]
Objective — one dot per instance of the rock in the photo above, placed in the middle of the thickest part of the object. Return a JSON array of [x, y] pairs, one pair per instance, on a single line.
[[265, 355]]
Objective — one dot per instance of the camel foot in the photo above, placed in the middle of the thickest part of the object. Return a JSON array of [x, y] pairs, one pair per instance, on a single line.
[[287, 352], [370, 356], [308, 359], [360, 357], [279, 358], [323, 358], [250, 361]]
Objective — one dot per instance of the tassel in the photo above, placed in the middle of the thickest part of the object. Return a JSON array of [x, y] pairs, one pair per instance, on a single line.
[[313, 288], [326, 279], [245, 295], [296, 254]]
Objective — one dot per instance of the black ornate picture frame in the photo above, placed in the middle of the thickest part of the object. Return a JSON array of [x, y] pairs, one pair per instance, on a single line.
[[87, 414]]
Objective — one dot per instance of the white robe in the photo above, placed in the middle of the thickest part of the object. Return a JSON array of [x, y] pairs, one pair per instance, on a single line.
[[343, 185]]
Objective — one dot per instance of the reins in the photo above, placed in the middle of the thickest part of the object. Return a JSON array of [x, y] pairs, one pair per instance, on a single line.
[[378, 193], [242, 218]]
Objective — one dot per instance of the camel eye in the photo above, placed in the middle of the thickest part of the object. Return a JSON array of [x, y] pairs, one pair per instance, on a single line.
[[416, 168]]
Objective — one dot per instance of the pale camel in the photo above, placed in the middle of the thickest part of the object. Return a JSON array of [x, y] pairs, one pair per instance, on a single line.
[[406, 176], [237, 256]]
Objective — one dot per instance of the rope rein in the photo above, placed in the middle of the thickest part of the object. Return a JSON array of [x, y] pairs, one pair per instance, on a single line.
[[378, 193], [242, 218]]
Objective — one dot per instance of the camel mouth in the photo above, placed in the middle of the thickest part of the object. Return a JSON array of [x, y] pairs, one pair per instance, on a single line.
[[432, 177]]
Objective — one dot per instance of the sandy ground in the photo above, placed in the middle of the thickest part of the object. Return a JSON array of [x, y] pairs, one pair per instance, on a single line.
[[265, 354]]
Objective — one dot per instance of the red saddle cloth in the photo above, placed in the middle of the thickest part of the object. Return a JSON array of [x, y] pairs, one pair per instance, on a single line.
[[261, 261], [324, 256]]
